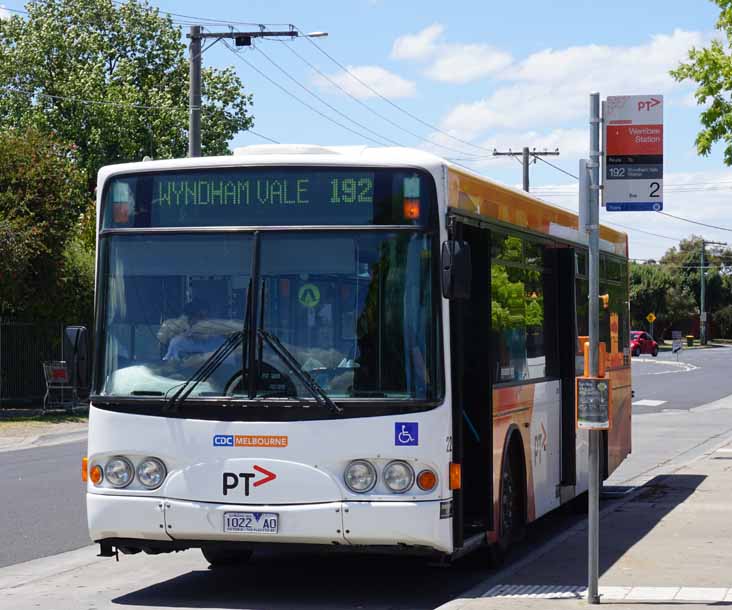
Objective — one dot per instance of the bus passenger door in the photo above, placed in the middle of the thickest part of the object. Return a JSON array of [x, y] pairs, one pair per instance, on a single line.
[[470, 325], [568, 346]]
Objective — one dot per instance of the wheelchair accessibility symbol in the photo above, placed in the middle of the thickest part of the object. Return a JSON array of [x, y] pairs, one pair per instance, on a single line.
[[406, 433]]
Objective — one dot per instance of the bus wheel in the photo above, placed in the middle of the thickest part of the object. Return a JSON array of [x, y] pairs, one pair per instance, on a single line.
[[511, 519], [220, 558]]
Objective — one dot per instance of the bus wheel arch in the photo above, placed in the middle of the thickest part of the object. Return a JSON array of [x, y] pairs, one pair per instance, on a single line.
[[512, 490]]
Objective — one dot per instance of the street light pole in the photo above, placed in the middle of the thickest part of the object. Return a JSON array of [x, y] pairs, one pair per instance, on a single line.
[[241, 39], [194, 102]]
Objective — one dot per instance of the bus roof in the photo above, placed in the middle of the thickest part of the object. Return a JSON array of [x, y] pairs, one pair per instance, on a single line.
[[475, 193]]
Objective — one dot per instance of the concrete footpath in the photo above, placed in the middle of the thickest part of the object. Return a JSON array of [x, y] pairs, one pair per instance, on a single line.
[[19, 434], [668, 543]]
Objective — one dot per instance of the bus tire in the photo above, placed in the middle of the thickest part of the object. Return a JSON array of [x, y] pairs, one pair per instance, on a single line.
[[221, 558], [511, 520]]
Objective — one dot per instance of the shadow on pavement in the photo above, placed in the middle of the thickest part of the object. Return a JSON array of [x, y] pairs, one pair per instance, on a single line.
[[295, 580], [620, 529], [309, 580]]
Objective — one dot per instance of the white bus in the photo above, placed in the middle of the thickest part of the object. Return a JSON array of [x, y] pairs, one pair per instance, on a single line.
[[348, 347]]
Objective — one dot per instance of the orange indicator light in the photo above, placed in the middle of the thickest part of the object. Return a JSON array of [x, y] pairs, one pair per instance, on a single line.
[[455, 476], [426, 480], [411, 209], [95, 474], [84, 465]]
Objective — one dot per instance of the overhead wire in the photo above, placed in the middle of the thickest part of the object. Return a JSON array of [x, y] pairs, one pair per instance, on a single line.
[[369, 108], [296, 98], [696, 222], [386, 99], [259, 135], [322, 101]]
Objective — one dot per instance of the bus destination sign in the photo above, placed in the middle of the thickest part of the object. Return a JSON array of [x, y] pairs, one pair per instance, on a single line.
[[267, 197]]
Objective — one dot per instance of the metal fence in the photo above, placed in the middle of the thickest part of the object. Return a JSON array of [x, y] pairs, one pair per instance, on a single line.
[[24, 346]]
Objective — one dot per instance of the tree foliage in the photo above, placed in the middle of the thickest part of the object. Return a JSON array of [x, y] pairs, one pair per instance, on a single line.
[[113, 79], [671, 287], [711, 69], [42, 197]]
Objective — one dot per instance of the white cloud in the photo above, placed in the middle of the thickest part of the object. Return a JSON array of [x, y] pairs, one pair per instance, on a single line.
[[465, 63], [386, 83], [421, 45], [4, 13], [451, 63], [552, 86]]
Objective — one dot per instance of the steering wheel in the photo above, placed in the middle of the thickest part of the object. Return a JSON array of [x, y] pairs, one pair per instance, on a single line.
[[271, 382]]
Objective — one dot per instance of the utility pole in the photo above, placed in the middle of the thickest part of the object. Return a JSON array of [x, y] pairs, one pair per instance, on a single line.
[[526, 155], [703, 292], [241, 39]]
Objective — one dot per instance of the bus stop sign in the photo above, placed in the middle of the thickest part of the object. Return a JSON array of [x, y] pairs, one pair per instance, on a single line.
[[633, 180]]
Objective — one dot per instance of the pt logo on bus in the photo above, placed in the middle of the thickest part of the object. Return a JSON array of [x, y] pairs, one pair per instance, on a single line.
[[231, 480]]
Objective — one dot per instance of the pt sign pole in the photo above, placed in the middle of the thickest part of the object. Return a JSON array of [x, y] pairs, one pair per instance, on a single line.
[[593, 237]]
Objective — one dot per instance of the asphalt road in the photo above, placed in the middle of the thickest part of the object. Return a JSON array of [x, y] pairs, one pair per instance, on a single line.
[[44, 513], [42, 508], [700, 376]]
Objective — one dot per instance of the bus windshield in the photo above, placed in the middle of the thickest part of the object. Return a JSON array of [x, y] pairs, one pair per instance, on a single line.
[[353, 308]]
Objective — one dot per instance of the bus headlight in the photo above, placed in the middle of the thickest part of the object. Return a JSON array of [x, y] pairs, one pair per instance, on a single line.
[[119, 471], [151, 472], [398, 476], [360, 476]]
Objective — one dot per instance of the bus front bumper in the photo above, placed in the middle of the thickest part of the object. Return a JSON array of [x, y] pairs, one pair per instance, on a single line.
[[399, 524]]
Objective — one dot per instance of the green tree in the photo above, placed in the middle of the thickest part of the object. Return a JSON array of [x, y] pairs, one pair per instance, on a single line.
[[684, 263], [649, 285], [711, 69], [42, 197], [129, 63]]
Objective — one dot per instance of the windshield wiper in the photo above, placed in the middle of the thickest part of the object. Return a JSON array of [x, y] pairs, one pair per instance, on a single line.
[[209, 366], [320, 395]]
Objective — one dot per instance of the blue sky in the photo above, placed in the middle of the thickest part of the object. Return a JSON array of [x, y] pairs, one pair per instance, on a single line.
[[503, 74]]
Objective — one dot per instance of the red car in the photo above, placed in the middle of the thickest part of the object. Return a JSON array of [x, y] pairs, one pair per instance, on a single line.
[[642, 343]]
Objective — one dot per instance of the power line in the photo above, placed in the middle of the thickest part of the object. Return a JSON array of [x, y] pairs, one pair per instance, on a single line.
[[322, 101], [564, 171], [388, 101], [82, 101], [259, 135], [293, 96], [369, 108], [695, 222]]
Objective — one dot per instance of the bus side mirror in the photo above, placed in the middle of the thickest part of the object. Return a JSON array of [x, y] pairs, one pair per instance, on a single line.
[[455, 269], [76, 355]]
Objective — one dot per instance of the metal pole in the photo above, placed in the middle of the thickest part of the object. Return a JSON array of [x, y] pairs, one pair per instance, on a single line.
[[593, 234], [702, 317], [526, 168], [194, 101]]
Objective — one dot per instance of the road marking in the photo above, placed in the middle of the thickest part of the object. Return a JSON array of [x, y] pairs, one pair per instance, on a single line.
[[655, 594], [676, 367], [647, 402], [724, 450]]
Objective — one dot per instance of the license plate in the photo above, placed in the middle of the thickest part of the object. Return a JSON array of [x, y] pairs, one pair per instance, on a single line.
[[251, 523]]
